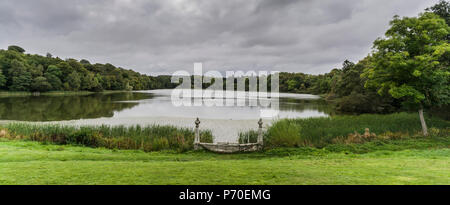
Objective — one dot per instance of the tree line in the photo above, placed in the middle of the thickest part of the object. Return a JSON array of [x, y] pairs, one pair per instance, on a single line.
[[36, 73]]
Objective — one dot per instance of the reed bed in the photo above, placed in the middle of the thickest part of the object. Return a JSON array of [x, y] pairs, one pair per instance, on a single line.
[[319, 132], [250, 136], [148, 138]]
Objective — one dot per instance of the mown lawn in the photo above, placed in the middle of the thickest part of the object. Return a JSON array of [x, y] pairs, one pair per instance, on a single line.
[[401, 162]]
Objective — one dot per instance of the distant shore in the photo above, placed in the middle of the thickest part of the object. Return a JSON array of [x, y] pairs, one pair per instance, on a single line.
[[55, 93]]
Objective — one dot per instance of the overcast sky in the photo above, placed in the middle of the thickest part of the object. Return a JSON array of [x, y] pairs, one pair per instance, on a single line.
[[162, 36]]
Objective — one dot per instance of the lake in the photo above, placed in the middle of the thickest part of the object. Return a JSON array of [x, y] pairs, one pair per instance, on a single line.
[[154, 107]]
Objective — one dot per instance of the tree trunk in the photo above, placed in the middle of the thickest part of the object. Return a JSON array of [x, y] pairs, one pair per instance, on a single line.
[[424, 124]]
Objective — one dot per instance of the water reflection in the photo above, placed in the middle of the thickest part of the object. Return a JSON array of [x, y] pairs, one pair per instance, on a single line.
[[160, 105], [57, 108], [155, 107], [146, 104]]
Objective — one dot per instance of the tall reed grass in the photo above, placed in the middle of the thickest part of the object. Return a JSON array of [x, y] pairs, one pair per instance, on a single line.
[[319, 132], [148, 138], [250, 136]]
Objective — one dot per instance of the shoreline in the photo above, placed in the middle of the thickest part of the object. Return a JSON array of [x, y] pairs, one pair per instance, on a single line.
[[55, 93]]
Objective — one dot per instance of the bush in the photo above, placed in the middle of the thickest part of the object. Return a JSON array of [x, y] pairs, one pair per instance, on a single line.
[[365, 103]]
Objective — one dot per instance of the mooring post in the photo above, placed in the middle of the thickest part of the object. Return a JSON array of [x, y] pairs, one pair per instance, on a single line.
[[260, 134], [197, 134]]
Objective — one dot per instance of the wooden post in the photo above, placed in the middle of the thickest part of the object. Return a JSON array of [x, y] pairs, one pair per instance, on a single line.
[[197, 134], [260, 135]]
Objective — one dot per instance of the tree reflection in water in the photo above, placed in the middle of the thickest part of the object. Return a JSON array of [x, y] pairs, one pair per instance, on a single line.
[[73, 107]]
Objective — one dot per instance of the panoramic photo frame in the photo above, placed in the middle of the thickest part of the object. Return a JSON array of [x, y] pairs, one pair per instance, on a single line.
[[210, 101]]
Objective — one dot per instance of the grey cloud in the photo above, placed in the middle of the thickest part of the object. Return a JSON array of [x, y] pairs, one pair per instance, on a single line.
[[163, 36], [48, 15]]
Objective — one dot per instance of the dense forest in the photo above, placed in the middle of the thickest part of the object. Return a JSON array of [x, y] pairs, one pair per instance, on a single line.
[[344, 86], [26, 72]]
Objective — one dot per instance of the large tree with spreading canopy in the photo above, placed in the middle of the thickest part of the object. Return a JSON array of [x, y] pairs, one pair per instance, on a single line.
[[409, 63]]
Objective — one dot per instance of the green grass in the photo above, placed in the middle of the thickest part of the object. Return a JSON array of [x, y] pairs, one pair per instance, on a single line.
[[314, 151], [319, 132], [149, 138], [405, 161]]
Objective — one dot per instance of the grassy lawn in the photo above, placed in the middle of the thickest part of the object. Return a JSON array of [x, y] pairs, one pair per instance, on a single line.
[[411, 161]]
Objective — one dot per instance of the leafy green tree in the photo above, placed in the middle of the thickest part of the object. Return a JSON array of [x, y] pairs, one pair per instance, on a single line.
[[349, 94], [40, 84], [54, 81], [86, 82], [53, 75], [96, 84], [36, 71], [128, 86], [2, 79], [347, 80], [406, 63], [20, 76], [442, 9], [90, 82], [85, 62], [77, 66], [16, 48], [292, 84], [66, 70], [54, 70], [74, 81], [21, 82]]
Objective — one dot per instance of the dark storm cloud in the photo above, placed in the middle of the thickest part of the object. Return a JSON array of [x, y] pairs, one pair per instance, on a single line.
[[162, 36]]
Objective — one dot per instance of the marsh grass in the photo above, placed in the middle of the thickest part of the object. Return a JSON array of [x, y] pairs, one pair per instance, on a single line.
[[148, 138], [250, 136], [319, 132]]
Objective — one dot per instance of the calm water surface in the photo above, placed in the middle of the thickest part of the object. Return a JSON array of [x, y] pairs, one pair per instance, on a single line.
[[153, 107]]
